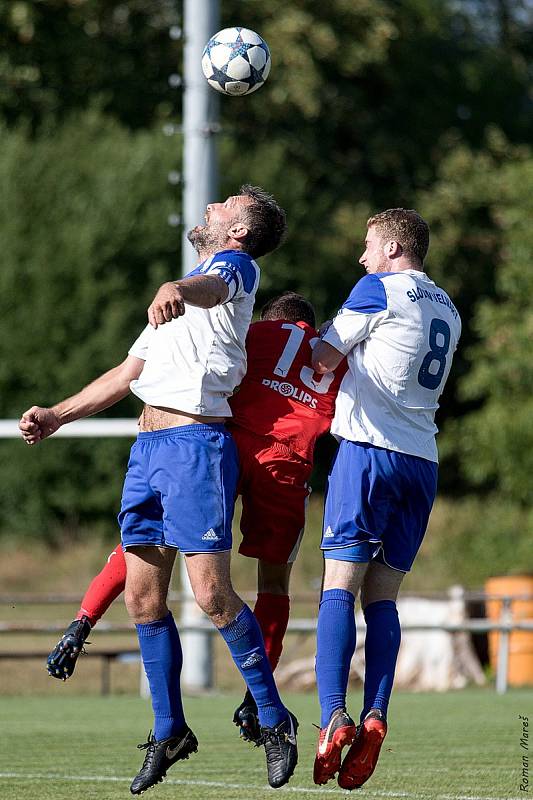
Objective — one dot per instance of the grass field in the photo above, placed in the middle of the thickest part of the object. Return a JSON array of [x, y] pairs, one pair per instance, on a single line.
[[440, 747]]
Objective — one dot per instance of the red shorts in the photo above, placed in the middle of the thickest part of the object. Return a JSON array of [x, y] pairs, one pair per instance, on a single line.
[[274, 491]]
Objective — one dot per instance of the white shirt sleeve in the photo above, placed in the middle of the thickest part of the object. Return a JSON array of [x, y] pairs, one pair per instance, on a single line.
[[139, 348], [365, 308], [350, 327], [240, 275]]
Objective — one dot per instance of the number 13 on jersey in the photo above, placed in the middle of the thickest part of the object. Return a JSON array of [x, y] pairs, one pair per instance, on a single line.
[[290, 351]]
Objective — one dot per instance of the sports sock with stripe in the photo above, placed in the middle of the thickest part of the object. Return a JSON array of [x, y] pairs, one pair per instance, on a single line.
[[162, 658], [335, 646], [104, 588], [383, 636], [245, 642], [272, 613]]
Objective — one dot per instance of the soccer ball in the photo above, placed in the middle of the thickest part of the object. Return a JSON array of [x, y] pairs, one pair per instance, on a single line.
[[236, 61]]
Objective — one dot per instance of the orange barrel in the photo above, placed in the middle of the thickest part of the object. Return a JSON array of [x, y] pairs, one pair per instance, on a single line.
[[520, 642]]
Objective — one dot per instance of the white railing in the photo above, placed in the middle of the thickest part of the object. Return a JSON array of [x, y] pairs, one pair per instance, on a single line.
[[84, 428]]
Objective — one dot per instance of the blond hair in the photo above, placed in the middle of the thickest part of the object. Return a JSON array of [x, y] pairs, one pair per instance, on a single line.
[[405, 226]]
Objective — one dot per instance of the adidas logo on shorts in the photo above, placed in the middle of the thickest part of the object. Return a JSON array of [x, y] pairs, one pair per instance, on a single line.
[[328, 533], [252, 660], [210, 536]]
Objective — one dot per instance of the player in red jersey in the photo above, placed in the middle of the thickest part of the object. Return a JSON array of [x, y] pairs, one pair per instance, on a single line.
[[279, 411]]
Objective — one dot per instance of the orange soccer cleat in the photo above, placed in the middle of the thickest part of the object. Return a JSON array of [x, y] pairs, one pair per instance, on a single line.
[[362, 757], [339, 732]]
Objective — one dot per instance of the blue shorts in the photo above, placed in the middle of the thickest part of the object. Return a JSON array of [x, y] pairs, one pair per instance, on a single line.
[[377, 505], [179, 489]]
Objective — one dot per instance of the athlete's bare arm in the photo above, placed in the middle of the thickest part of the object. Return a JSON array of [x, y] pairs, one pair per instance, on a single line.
[[37, 423], [204, 291], [325, 358]]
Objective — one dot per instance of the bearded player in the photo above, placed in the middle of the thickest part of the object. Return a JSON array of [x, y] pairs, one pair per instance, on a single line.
[[179, 488]]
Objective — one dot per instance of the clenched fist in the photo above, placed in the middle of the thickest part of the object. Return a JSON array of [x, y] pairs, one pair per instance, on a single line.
[[37, 423], [168, 304]]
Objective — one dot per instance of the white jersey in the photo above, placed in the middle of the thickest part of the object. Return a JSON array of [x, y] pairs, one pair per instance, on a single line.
[[194, 362], [399, 332]]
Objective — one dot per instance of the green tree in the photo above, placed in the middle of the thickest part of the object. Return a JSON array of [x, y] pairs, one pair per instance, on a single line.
[[58, 55], [480, 209], [85, 239], [496, 440]]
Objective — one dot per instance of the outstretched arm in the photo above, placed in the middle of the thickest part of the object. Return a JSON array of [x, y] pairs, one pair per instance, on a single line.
[[204, 291], [37, 423]]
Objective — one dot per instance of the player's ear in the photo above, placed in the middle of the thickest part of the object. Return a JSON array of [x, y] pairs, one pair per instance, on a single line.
[[393, 249], [238, 231]]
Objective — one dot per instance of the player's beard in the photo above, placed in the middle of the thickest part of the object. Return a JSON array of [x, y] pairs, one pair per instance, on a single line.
[[377, 264], [381, 265], [207, 239]]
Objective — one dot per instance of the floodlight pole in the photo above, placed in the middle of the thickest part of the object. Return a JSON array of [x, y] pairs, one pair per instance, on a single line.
[[200, 122], [200, 186]]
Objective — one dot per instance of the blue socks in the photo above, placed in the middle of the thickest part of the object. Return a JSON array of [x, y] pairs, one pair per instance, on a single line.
[[382, 643], [245, 642], [162, 658], [335, 647], [336, 635]]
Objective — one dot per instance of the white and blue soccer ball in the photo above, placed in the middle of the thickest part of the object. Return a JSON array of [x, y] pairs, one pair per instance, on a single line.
[[236, 61]]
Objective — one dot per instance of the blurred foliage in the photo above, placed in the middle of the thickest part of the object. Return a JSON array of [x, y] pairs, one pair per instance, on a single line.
[[84, 235], [497, 439], [480, 209], [370, 104], [470, 539], [57, 54]]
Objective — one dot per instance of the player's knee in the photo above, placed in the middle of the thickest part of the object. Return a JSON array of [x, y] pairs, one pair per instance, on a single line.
[[217, 598], [144, 605], [381, 583], [213, 598]]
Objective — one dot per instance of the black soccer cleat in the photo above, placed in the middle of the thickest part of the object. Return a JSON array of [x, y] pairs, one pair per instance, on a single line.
[[281, 750], [160, 756], [246, 719], [62, 660]]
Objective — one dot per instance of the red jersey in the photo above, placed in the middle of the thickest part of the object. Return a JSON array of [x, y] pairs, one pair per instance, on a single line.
[[280, 395]]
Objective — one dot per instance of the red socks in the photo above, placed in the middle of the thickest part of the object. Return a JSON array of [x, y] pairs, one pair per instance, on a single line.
[[272, 614], [104, 588]]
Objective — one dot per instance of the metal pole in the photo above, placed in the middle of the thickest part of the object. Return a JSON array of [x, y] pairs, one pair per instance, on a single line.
[[200, 186], [502, 667], [200, 122]]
